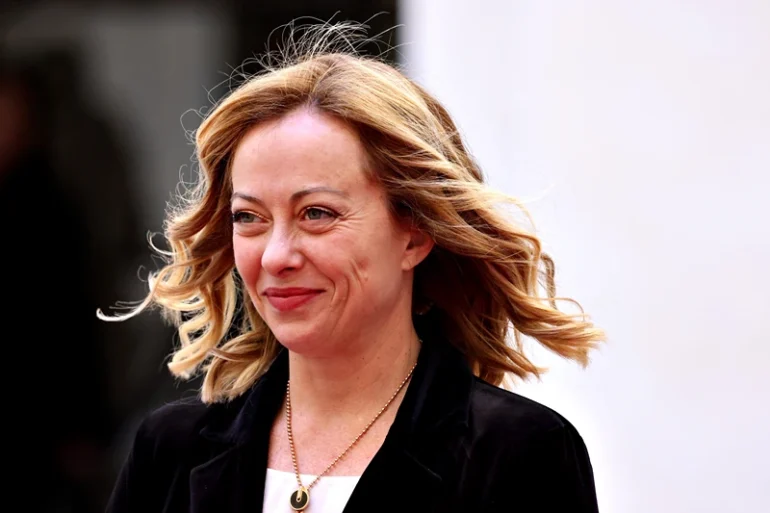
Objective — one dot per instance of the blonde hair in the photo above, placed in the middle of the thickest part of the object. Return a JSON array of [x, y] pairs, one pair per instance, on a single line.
[[481, 282]]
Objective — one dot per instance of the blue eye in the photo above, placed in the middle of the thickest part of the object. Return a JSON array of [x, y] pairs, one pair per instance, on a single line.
[[244, 217], [317, 214]]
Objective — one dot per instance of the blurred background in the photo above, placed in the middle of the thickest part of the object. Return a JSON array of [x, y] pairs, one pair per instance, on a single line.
[[637, 133]]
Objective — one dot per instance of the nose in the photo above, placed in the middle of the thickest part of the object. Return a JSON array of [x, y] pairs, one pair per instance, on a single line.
[[281, 254]]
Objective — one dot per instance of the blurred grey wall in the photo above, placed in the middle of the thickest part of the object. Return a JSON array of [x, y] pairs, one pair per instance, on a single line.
[[118, 79], [140, 68]]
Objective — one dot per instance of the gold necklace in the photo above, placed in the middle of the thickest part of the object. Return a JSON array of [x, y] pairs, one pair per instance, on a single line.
[[300, 499]]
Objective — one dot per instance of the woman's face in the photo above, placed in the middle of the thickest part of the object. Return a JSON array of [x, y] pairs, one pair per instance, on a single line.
[[320, 254]]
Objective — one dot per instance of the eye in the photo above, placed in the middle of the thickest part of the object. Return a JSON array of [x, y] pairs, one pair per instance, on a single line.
[[243, 217], [318, 214]]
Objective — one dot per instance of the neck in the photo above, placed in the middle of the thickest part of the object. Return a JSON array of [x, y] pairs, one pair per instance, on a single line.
[[356, 382]]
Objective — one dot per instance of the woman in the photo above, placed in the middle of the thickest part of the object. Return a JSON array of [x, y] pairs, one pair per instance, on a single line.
[[341, 221]]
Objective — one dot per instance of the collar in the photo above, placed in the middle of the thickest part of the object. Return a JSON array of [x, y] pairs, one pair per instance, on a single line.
[[439, 393], [418, 456]]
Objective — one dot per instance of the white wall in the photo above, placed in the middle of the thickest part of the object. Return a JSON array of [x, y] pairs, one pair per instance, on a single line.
[[644, 130]]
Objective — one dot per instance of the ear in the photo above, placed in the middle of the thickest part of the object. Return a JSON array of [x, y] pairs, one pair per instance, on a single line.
[[417, 249]]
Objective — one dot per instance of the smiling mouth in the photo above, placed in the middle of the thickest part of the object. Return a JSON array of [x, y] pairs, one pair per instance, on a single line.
[[285, 300]]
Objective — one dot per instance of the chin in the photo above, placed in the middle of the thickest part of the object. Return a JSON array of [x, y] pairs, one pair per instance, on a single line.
[[299, 339]]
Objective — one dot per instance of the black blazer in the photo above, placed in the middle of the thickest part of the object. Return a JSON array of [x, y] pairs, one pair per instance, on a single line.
[[457, 444]]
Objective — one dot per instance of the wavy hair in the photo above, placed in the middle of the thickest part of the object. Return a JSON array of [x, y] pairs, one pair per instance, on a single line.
[[485, 279]]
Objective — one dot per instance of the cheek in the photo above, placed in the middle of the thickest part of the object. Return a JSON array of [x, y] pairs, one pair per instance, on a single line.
[[333, 257], [248, 257], [373, 261], [337, 260]]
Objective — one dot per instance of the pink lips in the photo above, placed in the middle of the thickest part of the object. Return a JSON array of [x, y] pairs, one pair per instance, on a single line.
[[286, 299]]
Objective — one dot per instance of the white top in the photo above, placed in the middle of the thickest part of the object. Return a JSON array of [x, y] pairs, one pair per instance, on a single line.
[[328, 495]]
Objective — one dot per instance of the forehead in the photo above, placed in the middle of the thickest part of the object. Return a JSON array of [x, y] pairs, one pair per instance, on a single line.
[[302, 148]]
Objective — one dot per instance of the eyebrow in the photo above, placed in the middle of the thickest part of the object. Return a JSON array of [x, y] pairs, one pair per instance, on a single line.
[[294, 197]]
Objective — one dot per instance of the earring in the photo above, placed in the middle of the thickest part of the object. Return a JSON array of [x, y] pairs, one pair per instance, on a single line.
[[424, 308]]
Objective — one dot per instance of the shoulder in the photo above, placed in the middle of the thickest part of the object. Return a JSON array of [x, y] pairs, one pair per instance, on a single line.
[[173, 427], [510, 420], [175, 418], [528, 448], [163, 441]]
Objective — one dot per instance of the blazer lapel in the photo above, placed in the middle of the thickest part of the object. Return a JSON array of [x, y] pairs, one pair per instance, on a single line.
[[414, 468], [233, 478], [395, 481], [233, 482], [412, 471]]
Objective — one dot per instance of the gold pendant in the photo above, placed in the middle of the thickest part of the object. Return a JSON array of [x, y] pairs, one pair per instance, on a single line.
[[299, 499]]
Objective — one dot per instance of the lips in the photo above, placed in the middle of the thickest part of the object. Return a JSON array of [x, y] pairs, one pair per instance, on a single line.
[[290, 298]]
